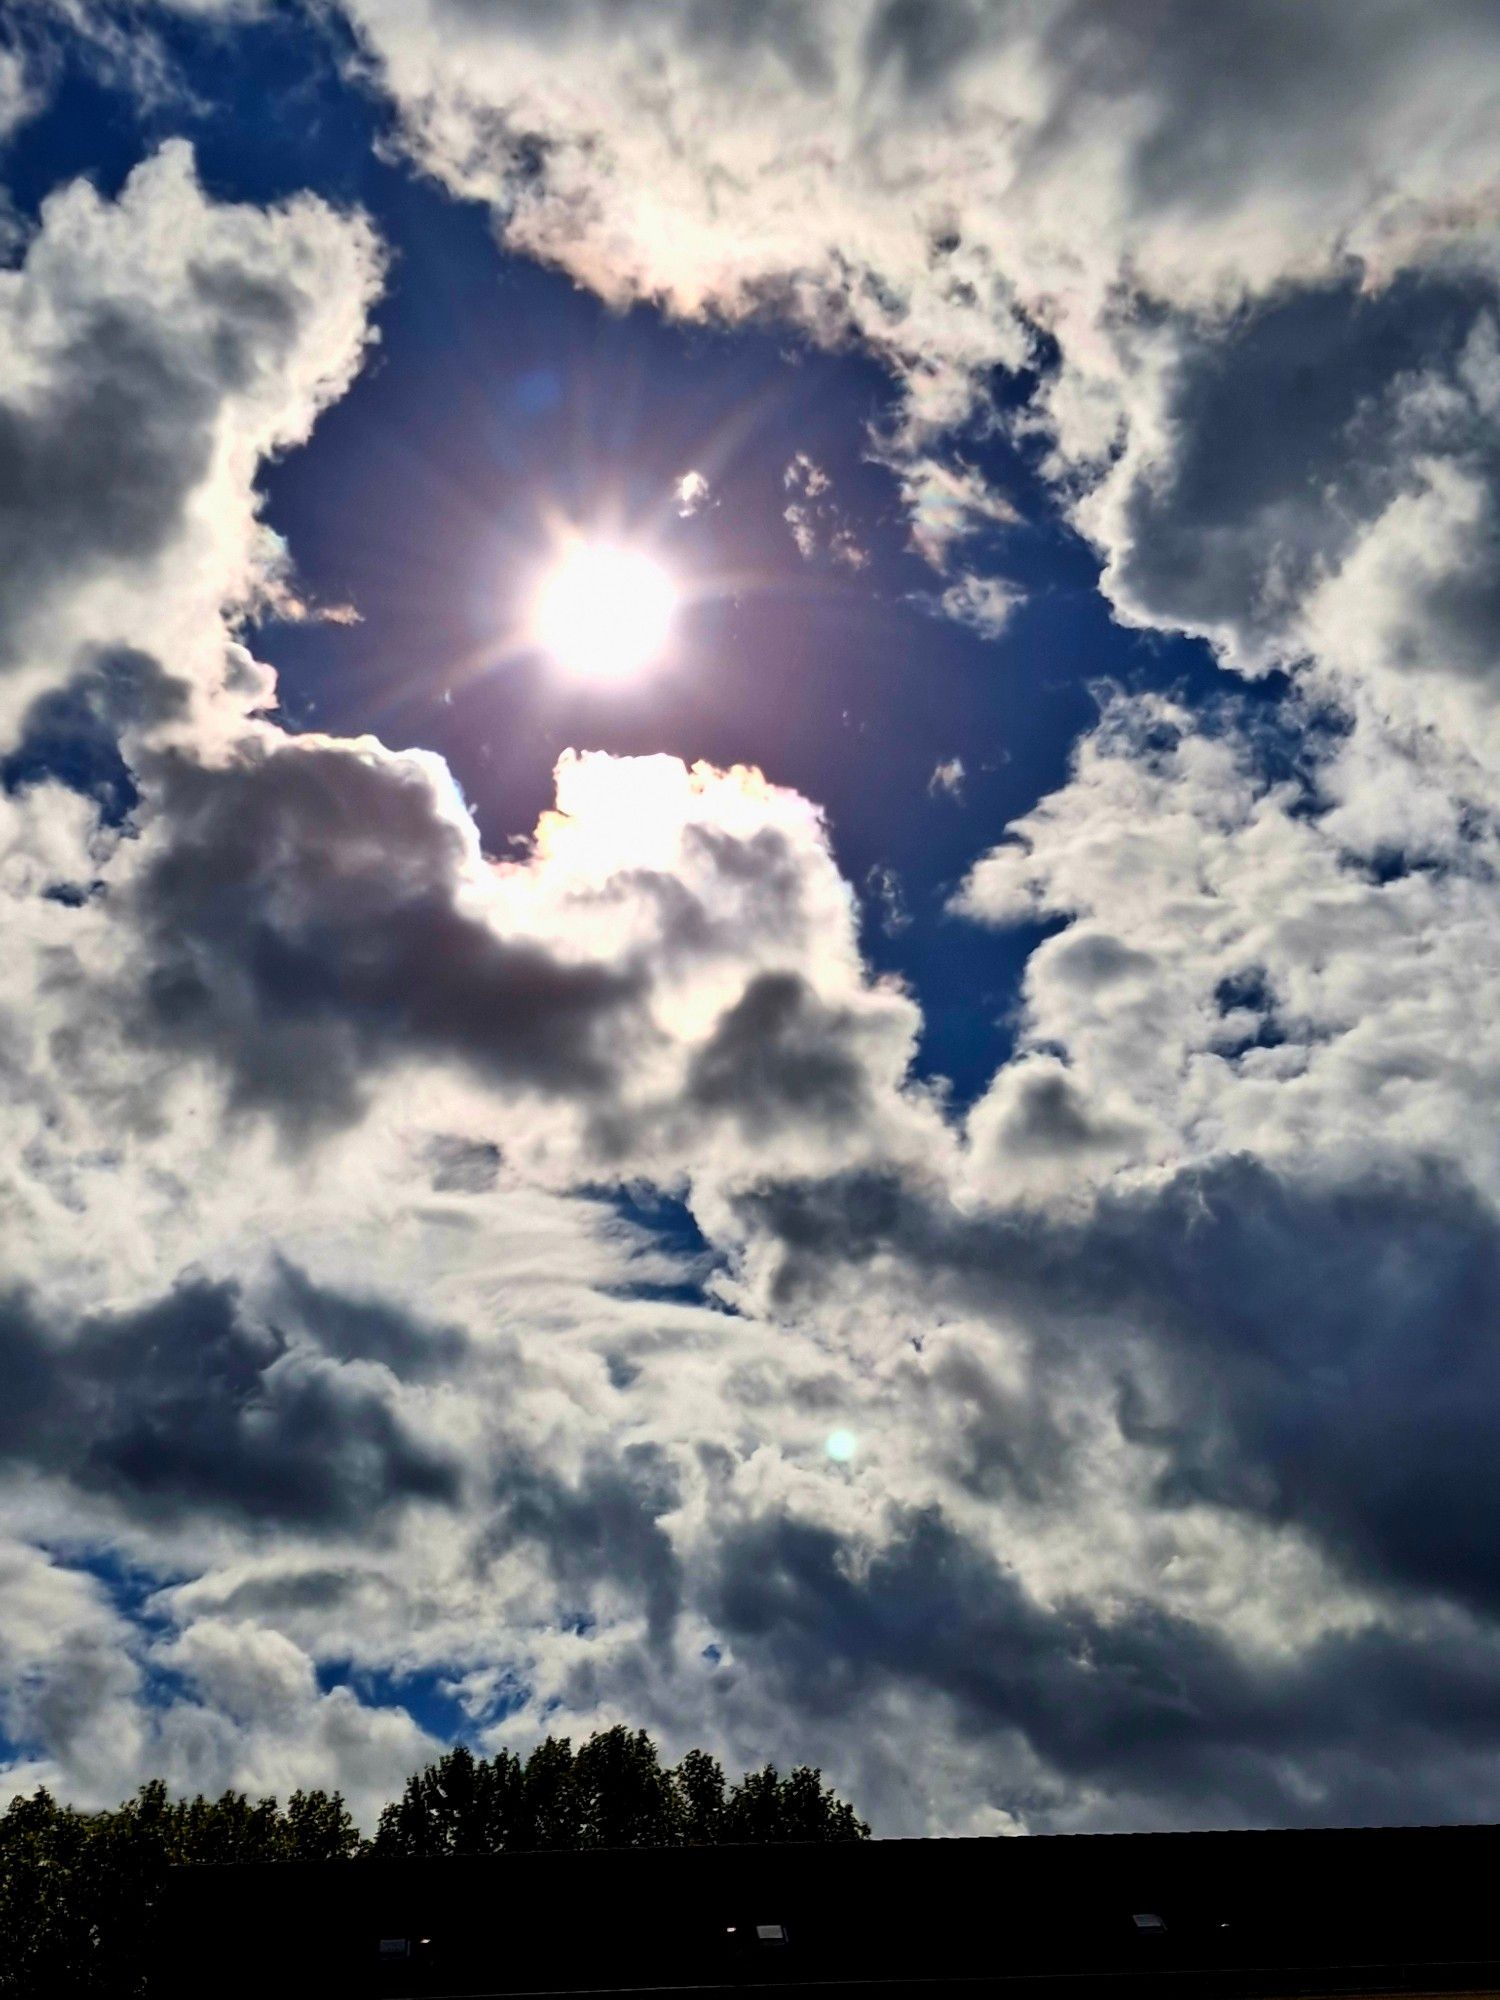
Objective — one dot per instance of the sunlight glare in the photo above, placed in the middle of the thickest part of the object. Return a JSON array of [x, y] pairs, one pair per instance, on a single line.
[[604, 611]]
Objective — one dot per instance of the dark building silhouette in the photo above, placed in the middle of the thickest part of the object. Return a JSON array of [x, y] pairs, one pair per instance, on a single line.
[[1215, 1916]]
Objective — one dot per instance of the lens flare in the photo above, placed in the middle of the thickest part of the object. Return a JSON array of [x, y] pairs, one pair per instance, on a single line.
[[604, 611]]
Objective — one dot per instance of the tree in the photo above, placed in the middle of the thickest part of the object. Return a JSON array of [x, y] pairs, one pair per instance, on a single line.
[[613, 1792], [625, 1797], [765, 1807], [46, 1925], [699, 1782], [78, 1890]]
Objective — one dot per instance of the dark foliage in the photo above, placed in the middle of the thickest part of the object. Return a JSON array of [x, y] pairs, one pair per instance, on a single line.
[[77, 1890], [613, 1792]]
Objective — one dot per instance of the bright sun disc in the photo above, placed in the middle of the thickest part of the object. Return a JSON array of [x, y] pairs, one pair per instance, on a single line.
[[605, 612]]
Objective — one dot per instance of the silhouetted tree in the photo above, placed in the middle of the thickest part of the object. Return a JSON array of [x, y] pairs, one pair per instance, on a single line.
[[78, 1890], [613, 1792], [765, 1807], [699, 1781]]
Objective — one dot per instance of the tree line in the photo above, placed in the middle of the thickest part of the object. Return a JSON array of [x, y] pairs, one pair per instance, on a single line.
[[78, 1889]]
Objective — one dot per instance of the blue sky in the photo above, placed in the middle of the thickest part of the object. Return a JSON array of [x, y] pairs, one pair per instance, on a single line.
[[1008, 989]]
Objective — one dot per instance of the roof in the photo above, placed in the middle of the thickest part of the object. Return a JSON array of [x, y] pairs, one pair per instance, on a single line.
[[1237, 1915]]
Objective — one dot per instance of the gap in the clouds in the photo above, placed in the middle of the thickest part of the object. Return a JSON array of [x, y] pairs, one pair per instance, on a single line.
[[658, 1224], [64, 737], [132, 1588], [500, 393], [133, 1591], [427, 1695]]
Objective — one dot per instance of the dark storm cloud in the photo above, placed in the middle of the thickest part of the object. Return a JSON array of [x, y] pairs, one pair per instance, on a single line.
[[1318, 1356], [189, 1403], [1334, 1360], [604, 1530], [1166, 1719], [920, 43], [302, 922]]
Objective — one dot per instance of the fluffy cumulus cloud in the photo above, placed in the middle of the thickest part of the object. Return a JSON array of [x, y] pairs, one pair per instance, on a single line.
[[156, 348], [427, 1270]]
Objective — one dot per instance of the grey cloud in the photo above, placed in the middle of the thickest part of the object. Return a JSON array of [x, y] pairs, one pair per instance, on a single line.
[[756, 884], [605, 1531], [1335, 1361], [281, 1595], [1293, 428], [1322, 1357], [71, 734], [463, 1166], [301, 919], [365, 1329], [999, 1440], [1046, 1114], [1150, 1718], [102, 470], [923, 43], [780, 1054], [189, 1403], [1275, 92], [149, 332], [1094, 960]]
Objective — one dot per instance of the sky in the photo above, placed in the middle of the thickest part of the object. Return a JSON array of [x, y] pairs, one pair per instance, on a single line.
[[899, 1173]]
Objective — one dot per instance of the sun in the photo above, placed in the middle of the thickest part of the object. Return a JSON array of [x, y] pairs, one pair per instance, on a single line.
[[604, 611]]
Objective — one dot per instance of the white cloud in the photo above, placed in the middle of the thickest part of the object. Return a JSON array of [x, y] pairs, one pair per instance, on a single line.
[[20, 94], [692, 494], [1068, 161], [187, 339], [819, 525], [983, 603], [948, 778]]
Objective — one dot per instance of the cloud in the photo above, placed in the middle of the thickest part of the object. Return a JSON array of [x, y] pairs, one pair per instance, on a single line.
[[949, 503], [948, 778], [20, 94], [1071, 161], [984, 604], [158, 346], [190, 1402], [883, 885], [818, 524], [313, 904], [1305, 1352], [692, 494], [1127, 1721]]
